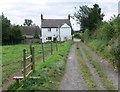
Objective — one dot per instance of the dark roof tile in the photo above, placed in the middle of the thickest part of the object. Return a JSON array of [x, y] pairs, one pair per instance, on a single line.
[[53, 23], [29, 30]]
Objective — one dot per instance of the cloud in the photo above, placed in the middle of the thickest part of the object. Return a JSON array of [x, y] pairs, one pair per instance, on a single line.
[[18, 10]]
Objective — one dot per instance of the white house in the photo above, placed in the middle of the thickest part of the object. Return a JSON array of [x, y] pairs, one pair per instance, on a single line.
[[56, 29]]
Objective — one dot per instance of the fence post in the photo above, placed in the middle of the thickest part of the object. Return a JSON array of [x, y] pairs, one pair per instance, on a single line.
[[30, 50], [56, 45], [24, 63], [51, 48], [43, 52], [33, 58]]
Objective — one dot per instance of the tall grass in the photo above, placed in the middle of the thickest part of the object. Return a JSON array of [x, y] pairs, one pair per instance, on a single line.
[[105, 40]]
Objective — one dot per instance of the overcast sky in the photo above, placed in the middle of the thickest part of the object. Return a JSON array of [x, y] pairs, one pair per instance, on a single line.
[[18, 10]]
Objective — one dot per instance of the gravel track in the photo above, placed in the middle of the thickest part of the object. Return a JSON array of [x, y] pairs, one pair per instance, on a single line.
[[72, 79], [111, 74], [95, 75]]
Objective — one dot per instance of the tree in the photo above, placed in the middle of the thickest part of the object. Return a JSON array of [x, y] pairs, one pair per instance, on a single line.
[[88, 17], [11, 34], [16, 36], [27, 22], [5, 30], [37, 32]]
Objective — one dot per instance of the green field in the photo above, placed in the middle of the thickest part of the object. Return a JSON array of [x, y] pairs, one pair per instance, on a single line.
[[12, 56], [50, 71]]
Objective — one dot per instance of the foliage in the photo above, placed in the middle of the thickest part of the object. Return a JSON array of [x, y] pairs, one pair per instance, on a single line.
[[11, 34], [89, 17], [85, 35], [5, 29], [27, 22], [76, 34], [36, 34], [105, 39]]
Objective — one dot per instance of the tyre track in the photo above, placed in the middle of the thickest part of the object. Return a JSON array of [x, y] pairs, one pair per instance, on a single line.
[[111, 74], [72, 79], [96, 77]]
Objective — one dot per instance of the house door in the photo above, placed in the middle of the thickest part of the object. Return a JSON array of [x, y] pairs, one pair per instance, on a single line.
[[54, 39]]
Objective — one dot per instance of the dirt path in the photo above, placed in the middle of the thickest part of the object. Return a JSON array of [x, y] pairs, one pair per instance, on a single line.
[[72, 79], [111, 74], [95, 75]]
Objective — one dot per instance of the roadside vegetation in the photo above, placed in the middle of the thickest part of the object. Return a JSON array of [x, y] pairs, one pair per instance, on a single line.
[[106, 82], [106, 40], [101, 36], [86, 74], [50, 72]]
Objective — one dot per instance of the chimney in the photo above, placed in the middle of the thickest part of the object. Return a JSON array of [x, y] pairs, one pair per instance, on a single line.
[[41, 17], [69, 16]]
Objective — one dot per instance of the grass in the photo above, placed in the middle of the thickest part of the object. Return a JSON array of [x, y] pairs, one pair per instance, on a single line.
[[12, 56], [50, 72], [106, 82], [86, 74], [104, 50]]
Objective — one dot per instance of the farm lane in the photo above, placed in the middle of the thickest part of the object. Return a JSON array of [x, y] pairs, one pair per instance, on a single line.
[[94, 73], [111, 74], [72, 79]]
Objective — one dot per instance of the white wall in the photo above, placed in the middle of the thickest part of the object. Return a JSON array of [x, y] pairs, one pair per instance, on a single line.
[[65, 32], [46, 33]]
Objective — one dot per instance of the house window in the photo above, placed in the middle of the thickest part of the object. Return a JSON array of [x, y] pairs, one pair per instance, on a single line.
[[56, 29], [49, 38], [49, 29]]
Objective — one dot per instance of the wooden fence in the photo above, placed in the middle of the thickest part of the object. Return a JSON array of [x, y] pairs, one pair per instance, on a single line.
[[27, 68]]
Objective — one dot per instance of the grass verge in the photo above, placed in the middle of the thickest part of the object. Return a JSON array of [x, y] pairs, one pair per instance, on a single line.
[[50, 72], [86, 74], [106, 82]]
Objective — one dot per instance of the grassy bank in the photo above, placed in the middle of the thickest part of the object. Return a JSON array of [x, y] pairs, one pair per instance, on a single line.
[[105, 40], [105, 51], [86, 74], [50, 72]]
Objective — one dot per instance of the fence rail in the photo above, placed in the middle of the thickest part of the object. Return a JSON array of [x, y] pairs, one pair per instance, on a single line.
[[26, 66]]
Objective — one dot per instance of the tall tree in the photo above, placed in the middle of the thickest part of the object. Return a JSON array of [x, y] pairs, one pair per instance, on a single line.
[[5, 30], [11, 34], [88, 17], [27, 22], [16, 34]]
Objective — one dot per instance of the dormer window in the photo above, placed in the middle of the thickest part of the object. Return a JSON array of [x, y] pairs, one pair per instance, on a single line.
[[49, 29]]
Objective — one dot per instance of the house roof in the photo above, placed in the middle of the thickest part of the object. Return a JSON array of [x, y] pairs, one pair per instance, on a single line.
[[54, 23], [29, 30]]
